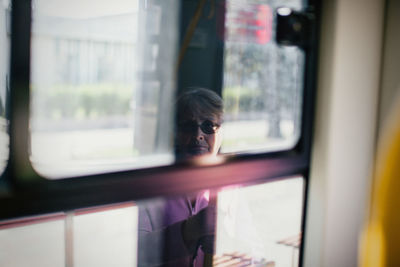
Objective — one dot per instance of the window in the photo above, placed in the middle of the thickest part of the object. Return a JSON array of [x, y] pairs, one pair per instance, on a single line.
[[258, 224], [263, 81], [101, 236], [40, 241], [93, 98], [263, 222], [96, 85], [102, 99]]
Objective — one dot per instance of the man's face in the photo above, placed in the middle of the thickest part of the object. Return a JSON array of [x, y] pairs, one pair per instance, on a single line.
[[198, 135]]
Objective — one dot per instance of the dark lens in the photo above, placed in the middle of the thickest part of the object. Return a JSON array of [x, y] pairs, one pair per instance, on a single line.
[[208, 127]]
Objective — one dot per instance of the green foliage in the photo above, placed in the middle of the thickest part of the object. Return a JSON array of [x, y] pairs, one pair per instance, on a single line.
[[83, 101], [239, 99]]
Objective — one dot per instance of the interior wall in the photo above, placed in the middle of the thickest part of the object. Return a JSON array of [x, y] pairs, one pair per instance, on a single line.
[[345, 130]]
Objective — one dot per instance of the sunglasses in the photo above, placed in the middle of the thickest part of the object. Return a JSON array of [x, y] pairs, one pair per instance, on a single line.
[[207, 126]]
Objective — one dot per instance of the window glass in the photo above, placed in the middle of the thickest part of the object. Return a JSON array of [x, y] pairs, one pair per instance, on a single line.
[[104, 236], [33, 242], [260, 224], [263, 82], [257, 225], [96, 236], [5, 32], [100, 98]]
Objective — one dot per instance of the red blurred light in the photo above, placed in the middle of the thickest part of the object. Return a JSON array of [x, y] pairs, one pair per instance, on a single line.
[[249, 23]]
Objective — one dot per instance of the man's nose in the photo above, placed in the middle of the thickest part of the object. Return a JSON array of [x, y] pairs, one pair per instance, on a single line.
[[199, 134]]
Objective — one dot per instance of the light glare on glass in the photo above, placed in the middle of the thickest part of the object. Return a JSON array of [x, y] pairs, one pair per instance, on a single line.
[[284, 11]]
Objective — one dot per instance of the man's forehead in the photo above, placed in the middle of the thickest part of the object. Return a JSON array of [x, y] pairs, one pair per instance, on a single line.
[[199, 117]]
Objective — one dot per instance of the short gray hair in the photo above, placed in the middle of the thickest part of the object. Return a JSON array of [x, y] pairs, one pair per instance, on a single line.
[[199, 102]]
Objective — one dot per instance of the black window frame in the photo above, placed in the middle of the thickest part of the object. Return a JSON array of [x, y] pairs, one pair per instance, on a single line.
[[24, 192]]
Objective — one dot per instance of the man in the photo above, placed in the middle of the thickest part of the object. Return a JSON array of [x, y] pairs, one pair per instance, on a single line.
[[199, 117], [178, 231]]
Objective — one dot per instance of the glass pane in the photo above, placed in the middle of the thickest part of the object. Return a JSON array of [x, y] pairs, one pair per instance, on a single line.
[[99, 92], [33, 242], [5, 35], [99, 236], [258, 225], [174, 231], [263, 82], [105, 236]]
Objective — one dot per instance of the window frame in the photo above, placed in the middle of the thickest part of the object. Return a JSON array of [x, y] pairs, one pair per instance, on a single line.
[[24, 192]]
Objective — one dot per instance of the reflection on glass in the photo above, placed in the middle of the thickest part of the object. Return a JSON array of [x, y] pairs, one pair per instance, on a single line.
[[99, 95], [257, 225], [5, 32], [176, 231], [262, 81], [260, 224], [179, 231]]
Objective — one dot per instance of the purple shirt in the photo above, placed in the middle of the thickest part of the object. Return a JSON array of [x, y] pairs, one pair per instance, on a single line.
[[160, 231]]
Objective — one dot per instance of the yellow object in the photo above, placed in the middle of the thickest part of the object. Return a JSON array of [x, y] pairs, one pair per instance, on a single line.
[[380, 244]]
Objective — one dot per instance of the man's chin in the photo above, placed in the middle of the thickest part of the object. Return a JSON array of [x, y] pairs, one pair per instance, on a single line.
[[192, 152], [195, 152]]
